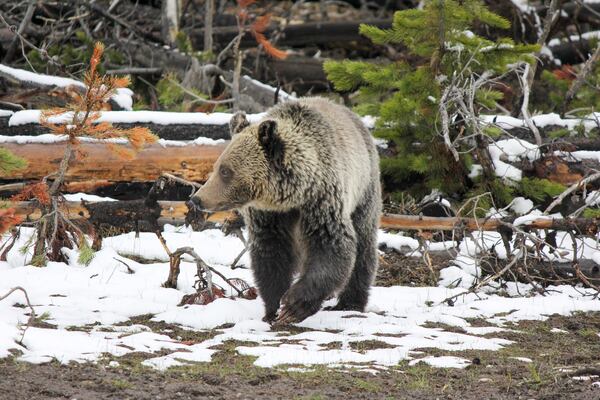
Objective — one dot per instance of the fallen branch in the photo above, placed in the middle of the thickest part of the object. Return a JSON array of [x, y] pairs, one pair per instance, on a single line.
[[570, 190], [106, 14], [31, 314], [581, 77], [206, 290], [12, 48]]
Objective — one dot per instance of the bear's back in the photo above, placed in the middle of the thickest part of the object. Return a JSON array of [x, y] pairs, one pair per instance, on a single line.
[[343, 146]]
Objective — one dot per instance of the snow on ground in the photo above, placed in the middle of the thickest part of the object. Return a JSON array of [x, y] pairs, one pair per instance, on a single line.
[[512, 150], [91, 305]]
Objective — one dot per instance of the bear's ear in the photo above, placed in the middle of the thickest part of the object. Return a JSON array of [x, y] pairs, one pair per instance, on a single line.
[[237, 123], [271, 142]]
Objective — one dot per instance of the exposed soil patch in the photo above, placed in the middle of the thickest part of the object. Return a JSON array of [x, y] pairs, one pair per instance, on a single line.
[[556, 357], [399, 269]]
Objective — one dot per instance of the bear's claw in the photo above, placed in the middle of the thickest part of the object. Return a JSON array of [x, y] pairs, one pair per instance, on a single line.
[[344, 307]]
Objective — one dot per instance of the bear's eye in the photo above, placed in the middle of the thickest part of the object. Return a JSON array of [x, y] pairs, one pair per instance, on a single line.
[[226, 173]]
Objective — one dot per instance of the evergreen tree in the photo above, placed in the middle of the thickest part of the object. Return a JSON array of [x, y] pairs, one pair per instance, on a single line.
[[406, 98]]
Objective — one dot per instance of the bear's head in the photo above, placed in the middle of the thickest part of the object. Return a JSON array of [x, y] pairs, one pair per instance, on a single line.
[[247, 170]]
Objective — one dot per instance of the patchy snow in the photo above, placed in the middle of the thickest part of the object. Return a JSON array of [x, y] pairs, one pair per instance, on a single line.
[[443, 362], [94, 302], [86, 197], [123, 96], [575, 38], [521, 205], [42, 79], [523, 359], [369, 121], [48, 138], [283, 96], [381, 143], [511, 150], [6, 113], [398, 241], [543, 120], [580, 154]]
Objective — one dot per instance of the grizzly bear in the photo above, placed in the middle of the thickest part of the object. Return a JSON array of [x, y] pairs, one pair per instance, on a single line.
[[306, 180]]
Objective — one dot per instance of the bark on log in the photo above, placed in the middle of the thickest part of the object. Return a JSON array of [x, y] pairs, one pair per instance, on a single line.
[[586, 226], [97, 162], [172, 212], [175, 211]]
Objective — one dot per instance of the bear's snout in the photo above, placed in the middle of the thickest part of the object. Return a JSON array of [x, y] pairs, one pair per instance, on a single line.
[[195, 202]]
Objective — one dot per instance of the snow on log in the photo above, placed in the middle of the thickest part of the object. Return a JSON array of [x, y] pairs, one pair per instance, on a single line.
[[121, 100], [166, 125], [96, 161], [548, 122]]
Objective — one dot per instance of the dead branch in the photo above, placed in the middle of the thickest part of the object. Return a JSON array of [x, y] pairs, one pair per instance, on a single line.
[[208, 25], [106, 14], [570, 190], [581, 77], [31, 314], [10, 52]]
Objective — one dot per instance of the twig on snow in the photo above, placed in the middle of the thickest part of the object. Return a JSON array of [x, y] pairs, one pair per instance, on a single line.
[[31, 315]]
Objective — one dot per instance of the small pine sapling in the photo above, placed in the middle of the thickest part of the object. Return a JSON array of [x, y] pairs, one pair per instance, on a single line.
[[77, 120], [430, 111]]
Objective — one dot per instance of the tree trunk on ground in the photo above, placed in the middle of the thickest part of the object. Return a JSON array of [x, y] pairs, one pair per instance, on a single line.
[[95, 161]]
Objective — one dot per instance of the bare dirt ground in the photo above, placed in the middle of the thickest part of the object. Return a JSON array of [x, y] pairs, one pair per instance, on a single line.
[[556, 359]]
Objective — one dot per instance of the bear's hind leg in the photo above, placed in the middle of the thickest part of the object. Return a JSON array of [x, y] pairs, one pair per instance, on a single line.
[[365, 219], [273, 255]]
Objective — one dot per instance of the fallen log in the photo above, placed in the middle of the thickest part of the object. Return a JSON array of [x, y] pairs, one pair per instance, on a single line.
[[21, 87], [586, 226], [310, 33], [171, 212], [174, 212], [96, 161], [176, 131]]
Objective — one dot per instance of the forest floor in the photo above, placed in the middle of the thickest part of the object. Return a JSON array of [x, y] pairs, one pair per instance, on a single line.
[[551, 359]]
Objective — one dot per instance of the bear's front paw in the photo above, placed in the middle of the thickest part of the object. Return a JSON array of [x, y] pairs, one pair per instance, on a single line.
[[295, 308], [269, 317]]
